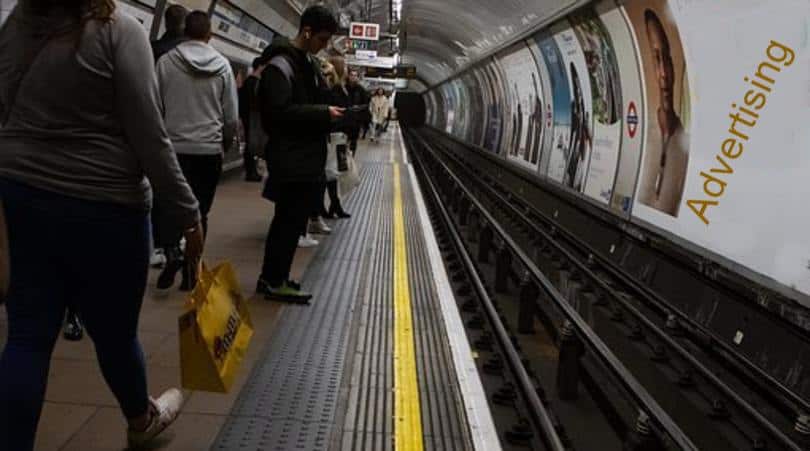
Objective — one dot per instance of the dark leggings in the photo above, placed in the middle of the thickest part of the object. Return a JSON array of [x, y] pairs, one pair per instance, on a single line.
[[62, 251]]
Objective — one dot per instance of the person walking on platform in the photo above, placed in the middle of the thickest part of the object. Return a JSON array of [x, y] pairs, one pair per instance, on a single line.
[[297, 120], [200, 108], [379, 112], [175, 21], [83, 147], [249, 114], [358, 97]]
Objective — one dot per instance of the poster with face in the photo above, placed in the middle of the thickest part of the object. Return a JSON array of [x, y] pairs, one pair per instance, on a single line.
[[547, 111], [603, 73], [746, 151], [580, 141], [666, 150], [495, 108], [561, 102], [526, 106]]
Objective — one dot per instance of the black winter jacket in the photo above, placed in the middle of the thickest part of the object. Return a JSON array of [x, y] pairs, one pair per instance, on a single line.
[[293, 100]]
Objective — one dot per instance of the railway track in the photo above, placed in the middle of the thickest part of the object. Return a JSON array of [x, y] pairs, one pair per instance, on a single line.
[[605, 344]]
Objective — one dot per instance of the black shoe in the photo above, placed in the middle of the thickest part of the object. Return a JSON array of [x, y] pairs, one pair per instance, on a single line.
[[73, 330], [263, 287], [337, 212], [253, 178], [174, 263]]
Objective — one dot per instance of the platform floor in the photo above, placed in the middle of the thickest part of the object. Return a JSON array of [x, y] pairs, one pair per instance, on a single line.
[[316, 377]]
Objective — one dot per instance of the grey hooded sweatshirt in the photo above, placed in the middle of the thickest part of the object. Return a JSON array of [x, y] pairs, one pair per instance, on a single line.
[[199, 99]]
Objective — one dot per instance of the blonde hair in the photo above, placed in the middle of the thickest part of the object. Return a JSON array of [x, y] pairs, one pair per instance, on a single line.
[[339, 65]]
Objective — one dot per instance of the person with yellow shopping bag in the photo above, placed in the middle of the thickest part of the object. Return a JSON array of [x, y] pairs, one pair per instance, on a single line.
[[77, 177], [214, 332]]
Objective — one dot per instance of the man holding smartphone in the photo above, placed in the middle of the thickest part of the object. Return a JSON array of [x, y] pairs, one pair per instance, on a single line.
[[297, 121]]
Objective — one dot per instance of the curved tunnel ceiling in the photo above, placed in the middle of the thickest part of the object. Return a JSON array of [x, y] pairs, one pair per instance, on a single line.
[[442, 37]]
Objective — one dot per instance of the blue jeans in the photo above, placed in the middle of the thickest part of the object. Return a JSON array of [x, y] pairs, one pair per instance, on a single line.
[[93, 256]]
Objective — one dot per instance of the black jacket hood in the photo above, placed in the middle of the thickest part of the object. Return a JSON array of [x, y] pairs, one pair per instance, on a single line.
[[282, 45]]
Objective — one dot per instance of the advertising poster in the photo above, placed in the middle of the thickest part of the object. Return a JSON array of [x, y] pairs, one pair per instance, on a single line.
[[547, 112], [463, 103], [633, 109], [561, 101], [747, 161], [430, 107], [603, 73], [580, 141], [495, 109], [478, 99], [509, 121], [449, 107], [666, 150], [526, 106]]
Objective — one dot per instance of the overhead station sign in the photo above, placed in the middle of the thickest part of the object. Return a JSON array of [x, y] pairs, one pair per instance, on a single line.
[[364, 31]]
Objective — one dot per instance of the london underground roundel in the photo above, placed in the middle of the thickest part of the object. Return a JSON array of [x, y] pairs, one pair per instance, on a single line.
[[632, 119]]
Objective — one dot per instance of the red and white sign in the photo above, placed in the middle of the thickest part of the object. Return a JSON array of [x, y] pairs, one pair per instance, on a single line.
[[366, 31], [632, 119]]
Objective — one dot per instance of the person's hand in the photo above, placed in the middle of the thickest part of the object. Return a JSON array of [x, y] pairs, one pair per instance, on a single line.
[[336, 112], [194, 243]]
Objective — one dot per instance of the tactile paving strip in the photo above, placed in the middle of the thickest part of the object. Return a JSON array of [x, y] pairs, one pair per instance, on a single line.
[[290, 399]]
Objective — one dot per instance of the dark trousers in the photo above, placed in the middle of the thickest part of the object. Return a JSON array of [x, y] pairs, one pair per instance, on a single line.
[[294, 204], [353, 135], [93, 256], [251, 166], [202, 173]]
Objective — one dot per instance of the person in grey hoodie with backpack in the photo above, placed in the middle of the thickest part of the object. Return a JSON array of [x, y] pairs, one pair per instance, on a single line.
[[200, 109]]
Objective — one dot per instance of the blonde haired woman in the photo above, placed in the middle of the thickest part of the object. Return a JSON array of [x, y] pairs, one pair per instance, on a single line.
[[336, 76]]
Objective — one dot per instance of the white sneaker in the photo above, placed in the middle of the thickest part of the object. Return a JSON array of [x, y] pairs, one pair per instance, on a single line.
[[307, 241], [158, 258], [164, 411], [319, 227]]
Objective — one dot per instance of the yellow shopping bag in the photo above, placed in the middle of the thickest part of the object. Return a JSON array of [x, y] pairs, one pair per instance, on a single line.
[[215, 332]]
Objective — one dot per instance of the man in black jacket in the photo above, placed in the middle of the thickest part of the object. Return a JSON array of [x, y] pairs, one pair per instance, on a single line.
[[175, 20], [297, 122]]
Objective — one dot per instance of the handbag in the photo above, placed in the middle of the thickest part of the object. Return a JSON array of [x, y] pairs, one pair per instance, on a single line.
[[214, 332], [342, 156], [350, 178]]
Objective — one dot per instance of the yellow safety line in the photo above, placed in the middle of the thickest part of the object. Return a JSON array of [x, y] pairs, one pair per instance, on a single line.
[[407, 411]]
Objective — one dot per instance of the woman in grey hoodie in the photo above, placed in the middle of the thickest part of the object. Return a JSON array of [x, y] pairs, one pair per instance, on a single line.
[[82, 145]]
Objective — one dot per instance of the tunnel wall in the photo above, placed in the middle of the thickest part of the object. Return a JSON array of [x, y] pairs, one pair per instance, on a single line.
[[652, 113]]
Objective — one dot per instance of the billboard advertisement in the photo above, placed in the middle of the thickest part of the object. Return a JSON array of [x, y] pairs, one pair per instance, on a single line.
[[526, 106], [666, 149], [496, 108], [633, 111], [733, 179], [561, 103], [603, 72]]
